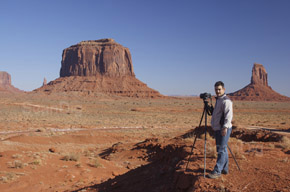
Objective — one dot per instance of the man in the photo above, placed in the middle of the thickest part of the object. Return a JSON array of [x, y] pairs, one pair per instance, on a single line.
[[221, 123]]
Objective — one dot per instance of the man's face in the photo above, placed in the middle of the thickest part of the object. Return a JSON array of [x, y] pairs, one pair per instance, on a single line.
[[219, 90]]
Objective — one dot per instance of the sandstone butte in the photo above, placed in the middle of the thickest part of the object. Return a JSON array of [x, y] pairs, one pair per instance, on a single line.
[[5, 83], [258, 89], [98, 66]]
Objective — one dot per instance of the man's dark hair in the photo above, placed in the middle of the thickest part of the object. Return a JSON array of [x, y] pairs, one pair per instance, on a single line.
[[219, 83]]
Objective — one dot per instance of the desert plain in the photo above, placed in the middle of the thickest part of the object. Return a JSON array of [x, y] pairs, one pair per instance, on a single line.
[[73, 142]]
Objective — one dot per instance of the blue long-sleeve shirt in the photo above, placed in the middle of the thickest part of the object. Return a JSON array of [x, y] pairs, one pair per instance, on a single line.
[[223, 106]]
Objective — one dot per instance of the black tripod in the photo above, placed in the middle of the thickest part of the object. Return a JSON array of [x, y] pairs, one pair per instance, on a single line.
[[207, 110]]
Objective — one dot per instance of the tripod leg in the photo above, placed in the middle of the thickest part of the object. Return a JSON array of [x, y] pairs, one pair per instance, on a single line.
[[205, 129], [191, 151], [234, 157], [194, 140], [202, 117], [204, 158]]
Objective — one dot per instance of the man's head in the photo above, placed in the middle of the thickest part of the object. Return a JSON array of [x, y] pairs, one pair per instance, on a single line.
[[219, 88]]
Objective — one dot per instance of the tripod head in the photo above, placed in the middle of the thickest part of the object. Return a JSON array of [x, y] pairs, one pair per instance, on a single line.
[[206, 97]]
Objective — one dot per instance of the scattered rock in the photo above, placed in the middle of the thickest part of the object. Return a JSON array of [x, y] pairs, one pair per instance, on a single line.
[[52, 150], [40, 130]]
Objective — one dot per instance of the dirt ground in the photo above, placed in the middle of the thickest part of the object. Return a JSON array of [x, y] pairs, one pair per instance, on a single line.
[[62, 142]]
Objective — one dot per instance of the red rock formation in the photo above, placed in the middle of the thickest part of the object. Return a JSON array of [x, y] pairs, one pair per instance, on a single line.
[[5, 83], [258, 89], [44, 82], [100, 66], [94, 58], [259, 75], [5, 78]]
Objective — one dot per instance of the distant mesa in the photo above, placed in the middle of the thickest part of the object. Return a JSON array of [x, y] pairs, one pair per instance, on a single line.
[[258, 89], [98, 66], [102, 57], [5, 83]]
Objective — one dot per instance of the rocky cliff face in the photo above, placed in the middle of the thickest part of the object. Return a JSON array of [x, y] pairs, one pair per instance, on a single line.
[[258, 89], [5, 79], [95, 58], [5, 83], [99, 66], [259, 75]]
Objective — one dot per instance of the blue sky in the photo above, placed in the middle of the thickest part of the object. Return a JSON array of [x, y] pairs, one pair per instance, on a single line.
[[178, 46]]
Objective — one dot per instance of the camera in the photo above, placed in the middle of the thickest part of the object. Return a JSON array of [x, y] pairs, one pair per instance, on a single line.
[[205, 96]]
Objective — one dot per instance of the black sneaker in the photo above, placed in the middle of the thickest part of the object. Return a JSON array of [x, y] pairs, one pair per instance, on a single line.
[[225, 172], [213, 175]]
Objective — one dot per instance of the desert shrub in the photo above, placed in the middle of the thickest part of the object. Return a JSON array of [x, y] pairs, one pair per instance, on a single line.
[[17, 164], [285, 142], [71, 157], [237, 147], [16, 156], [285, 160], [90, 153], [271, 145], [36, 162], [238, 153], [7, 177], [211, 152], [208, 136], [95, 163]]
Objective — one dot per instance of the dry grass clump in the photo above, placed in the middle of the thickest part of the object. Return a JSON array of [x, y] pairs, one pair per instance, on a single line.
[[7, 177], [71, 157], [238, 153], [36, 162], [16, 156], [271, 145], [90, 153], [17, 164], [237, 147], [189, 139], [285, 143], [285, 160], [95, 162], [211, 152], [208, 137]]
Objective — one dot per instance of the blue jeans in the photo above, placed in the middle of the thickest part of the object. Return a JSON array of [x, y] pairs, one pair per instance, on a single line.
[[222, 163]]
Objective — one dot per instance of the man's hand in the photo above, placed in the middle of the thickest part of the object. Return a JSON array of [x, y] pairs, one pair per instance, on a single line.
[[224, 131]]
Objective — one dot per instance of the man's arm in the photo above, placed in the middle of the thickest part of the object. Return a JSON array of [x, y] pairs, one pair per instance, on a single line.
[[228, 116]]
